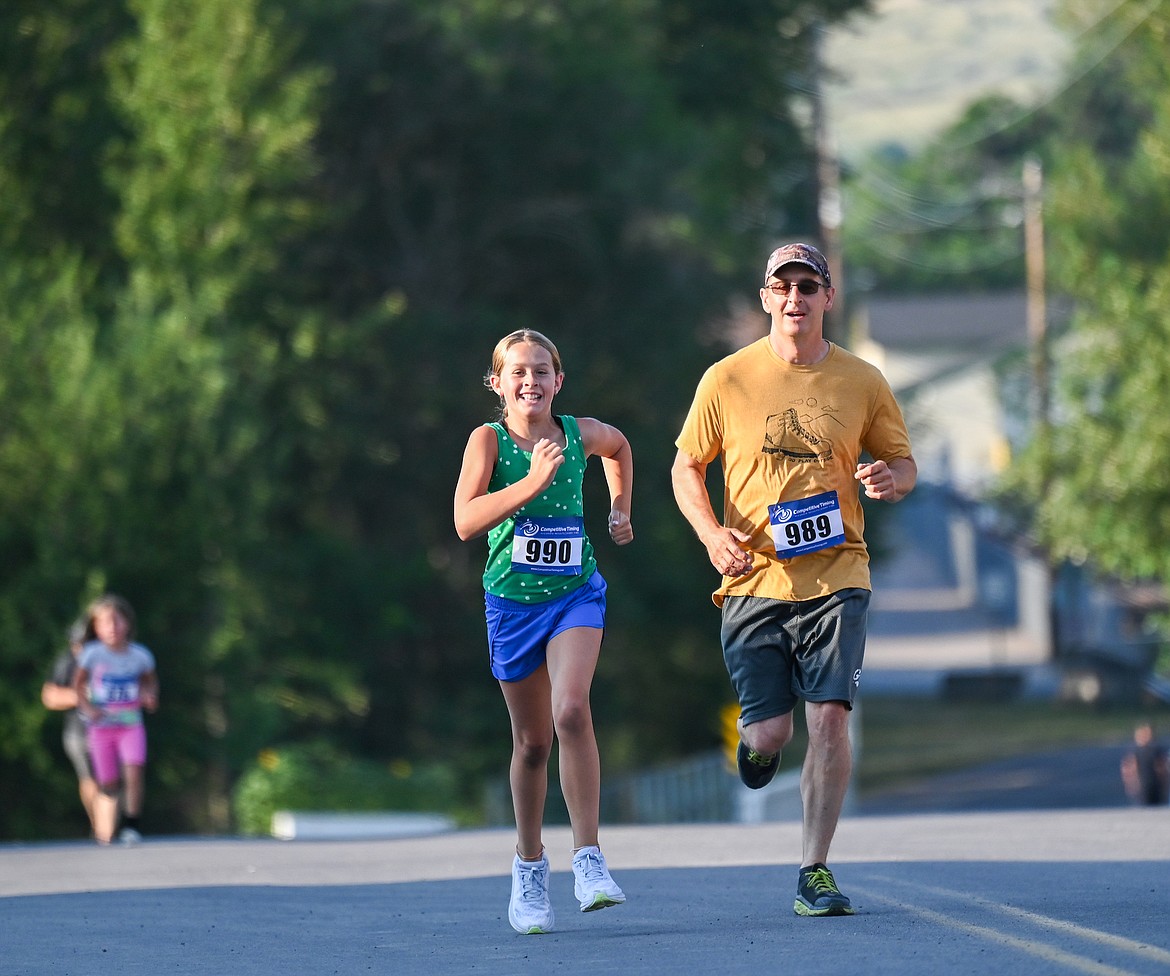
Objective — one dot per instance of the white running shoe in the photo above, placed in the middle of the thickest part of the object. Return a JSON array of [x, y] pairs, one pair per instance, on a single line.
[[530, 911], [592, 884], [129, 836]]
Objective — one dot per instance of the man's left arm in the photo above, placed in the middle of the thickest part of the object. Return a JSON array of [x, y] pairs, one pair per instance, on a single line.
[[888, 481]]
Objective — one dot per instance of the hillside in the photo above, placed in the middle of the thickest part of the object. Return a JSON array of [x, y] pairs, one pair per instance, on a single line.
[[907, 72]]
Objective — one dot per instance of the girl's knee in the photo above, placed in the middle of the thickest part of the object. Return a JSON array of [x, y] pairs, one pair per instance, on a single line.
[[533, 753], [573, 719]]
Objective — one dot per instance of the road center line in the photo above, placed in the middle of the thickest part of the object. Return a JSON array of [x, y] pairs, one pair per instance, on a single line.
[[1121, 943], [1042, 950]]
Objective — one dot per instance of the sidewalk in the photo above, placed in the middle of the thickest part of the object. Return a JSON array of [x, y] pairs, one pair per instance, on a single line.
[[1116, 834]]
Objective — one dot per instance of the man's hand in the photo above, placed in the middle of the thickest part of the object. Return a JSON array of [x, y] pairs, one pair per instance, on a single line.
[[726, 552], [888, 483]]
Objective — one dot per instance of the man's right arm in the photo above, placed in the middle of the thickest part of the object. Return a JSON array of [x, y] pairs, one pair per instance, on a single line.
[[724, 549], [58, 698]]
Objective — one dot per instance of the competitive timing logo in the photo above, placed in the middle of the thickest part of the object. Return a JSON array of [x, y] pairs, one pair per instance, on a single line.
[[784, 514], [530, 528]]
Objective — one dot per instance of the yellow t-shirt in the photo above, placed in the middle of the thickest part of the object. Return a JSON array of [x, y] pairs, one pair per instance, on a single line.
[[784, 433]]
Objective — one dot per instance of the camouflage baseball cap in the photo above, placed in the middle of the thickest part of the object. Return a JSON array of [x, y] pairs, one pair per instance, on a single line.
[[804, 254]]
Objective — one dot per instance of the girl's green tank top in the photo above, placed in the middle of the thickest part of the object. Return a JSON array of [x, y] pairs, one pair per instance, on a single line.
[[541, 552]]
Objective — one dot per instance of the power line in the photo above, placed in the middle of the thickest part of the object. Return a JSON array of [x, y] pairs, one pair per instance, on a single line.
[[888, 182], [1119, 34]]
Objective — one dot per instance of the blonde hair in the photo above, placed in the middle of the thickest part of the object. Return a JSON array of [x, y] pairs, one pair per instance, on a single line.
[[500, 353]]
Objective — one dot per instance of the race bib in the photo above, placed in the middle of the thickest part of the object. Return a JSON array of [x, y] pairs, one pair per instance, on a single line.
[[548, 545], [807, 525], [116, 689]]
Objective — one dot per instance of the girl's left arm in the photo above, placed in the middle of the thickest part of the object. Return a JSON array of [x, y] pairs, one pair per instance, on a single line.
[[617, 461], [148, 690]]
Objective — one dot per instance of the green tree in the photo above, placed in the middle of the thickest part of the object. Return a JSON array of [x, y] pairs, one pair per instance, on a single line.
[[213, 182], [950, 217], [57, 123], [52, 260], [1096, 473], [143, 462], [306, 230]]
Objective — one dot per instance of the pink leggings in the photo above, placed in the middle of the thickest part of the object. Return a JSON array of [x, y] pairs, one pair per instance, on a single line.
[[113, 746]]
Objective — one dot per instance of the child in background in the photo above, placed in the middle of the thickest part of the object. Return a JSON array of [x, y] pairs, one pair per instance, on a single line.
[[521, 485], [58, 695], [115, 681]]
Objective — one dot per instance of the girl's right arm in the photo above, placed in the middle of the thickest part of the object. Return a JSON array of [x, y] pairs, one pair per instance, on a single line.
[[477, 510]]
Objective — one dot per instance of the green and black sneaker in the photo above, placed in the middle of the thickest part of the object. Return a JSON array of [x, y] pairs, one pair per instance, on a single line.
[[755, 771], [817, 893]]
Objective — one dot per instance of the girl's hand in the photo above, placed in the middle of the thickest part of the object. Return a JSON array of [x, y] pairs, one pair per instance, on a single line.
[[547, 456], [620, 528]]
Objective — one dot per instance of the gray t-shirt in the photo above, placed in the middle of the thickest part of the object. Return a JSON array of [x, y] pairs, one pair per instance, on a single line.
[[62, 676], [115, 680]]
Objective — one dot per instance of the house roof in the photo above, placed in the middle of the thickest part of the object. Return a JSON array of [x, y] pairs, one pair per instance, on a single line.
[[974, 321]]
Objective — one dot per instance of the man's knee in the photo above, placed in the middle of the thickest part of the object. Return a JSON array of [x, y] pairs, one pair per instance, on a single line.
[[769, 735], [828, 722]]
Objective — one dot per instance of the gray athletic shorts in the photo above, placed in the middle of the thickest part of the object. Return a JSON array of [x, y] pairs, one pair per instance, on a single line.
[[77, 749], [779, 652]]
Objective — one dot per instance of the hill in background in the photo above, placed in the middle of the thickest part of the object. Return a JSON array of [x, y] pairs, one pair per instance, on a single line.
[[907, 72]]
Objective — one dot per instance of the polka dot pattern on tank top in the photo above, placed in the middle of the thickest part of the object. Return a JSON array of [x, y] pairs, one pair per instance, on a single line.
[[511, 467]]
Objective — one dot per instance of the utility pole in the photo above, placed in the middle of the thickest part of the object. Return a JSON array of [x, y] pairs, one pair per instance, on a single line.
[[1037, 314], [828, 177], [1037, 322]]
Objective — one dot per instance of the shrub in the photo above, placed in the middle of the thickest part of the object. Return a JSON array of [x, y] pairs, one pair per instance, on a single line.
[[318, 777]]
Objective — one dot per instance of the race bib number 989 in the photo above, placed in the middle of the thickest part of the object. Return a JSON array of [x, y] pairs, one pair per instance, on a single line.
[[807, 525], [548, 545]]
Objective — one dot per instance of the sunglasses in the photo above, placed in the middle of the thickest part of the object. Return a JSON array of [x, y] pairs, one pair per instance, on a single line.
[[806, 286]]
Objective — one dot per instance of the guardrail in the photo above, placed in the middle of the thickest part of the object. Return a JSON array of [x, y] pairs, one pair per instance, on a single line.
[[700, 789], [301, 825]]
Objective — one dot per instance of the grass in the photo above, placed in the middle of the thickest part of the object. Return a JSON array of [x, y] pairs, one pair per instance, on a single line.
[[903, 740]]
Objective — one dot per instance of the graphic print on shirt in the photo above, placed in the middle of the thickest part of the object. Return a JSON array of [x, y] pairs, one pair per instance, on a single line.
[[788, 433]]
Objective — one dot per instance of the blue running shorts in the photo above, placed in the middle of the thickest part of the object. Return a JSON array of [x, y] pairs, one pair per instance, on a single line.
[[518, 633]]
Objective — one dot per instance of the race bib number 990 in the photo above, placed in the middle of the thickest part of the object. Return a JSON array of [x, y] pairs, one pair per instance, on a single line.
[[548, 545], [807, 525]]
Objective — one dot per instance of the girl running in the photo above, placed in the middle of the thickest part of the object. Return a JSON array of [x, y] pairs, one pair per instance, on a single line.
[[521, 485], [115, 680]]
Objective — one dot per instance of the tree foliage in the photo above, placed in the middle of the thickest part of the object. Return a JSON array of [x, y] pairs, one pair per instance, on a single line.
[[950, 217], [1087, 482], [1097, 474], [253, 260]]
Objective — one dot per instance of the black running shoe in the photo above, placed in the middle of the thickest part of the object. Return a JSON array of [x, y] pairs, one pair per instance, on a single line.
[[817, 893], [755, 771]]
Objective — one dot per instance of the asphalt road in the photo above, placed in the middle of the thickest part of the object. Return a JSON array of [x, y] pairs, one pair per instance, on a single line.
[[1084, 777], [1072, 891]]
